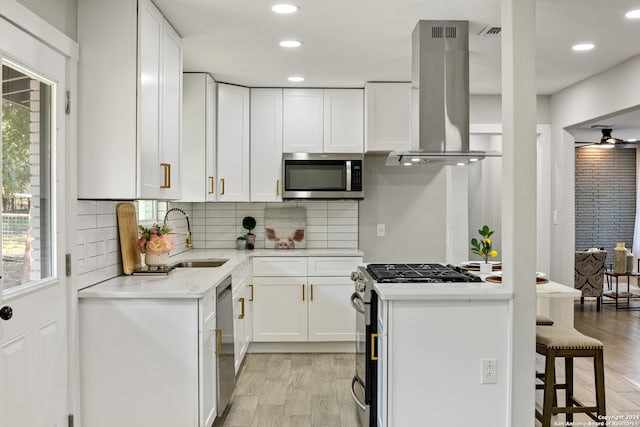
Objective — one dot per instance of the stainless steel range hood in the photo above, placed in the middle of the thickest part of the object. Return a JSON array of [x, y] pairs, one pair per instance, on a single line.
[[439, 97]]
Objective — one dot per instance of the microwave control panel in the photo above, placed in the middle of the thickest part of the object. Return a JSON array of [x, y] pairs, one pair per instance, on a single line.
[[356, 175]]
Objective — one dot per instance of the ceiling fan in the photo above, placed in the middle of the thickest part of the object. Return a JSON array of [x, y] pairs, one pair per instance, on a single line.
[[609, 141]]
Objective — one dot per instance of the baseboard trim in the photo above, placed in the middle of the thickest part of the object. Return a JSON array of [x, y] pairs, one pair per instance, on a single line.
[[302, 347]]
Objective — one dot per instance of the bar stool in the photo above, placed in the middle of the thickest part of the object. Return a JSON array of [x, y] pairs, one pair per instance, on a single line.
[[568, 343], [543, 320]]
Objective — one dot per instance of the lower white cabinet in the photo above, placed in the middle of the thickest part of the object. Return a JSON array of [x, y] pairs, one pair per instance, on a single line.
[[148, 362], [279, 309], [303, 299], [242, 311]]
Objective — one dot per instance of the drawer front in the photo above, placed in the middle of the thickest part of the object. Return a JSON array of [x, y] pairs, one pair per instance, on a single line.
[[333, 266], [206, 308], [279, 266]]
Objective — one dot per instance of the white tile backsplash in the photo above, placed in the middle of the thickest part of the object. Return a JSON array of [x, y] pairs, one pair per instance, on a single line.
[[330, 225]]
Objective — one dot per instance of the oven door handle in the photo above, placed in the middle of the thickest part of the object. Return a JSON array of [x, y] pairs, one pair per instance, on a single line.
[[357, 303], [355, 380]]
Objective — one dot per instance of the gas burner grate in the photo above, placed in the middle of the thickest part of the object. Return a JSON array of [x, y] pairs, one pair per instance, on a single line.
[[420, 273]]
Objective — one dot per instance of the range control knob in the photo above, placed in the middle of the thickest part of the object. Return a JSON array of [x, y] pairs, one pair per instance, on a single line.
[[360, 286], [356, 275], [6, 313]]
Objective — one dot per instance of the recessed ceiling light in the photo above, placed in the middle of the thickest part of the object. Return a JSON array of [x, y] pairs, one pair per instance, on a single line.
[[290, 43], [633, 14], [583, 46], [460, 164], [284, 8], [296, 79]]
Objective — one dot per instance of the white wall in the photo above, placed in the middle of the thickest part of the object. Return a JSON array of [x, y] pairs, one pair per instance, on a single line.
[[614, 90], [62, 14]]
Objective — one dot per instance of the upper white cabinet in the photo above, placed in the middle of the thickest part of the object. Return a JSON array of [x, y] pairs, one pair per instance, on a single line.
[[323, 121], [266, 145], [303, 123], [129, 136], [343, 121], [233, 143], [199, 138], [387, 115]]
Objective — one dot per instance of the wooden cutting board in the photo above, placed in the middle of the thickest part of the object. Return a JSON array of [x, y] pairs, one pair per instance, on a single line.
[[128, 229]]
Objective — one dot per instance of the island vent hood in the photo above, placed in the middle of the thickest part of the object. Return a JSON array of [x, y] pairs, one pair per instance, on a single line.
[[439, 97]]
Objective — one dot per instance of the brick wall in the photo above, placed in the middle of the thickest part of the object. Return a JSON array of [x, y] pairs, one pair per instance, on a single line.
[[605, 182]]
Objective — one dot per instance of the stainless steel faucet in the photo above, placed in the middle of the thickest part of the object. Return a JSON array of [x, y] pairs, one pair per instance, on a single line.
[[189, 244]]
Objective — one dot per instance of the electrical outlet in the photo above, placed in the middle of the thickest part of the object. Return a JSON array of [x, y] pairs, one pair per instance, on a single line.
[[489, 371], [380, 231]]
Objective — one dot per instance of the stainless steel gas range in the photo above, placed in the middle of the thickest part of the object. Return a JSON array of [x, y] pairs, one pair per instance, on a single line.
[[364, 384]]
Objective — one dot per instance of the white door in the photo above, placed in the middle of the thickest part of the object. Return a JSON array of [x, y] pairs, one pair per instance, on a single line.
[[331, 317], [266, 145], [302, 120], [280, 309], [343, 121], [33, 341]]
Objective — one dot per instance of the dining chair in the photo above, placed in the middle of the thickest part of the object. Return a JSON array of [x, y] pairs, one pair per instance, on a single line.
[[589, 274]]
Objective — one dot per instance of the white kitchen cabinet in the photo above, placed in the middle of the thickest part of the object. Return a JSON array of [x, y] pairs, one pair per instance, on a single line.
[[417, 338], [387, 117], [128, 122], [343, 121], [242, 311], [303, 299], [266, 145], [148, 361], [323, 121], [330, 316], [233, 143], [303, 124], [199, 138], [280, 309]]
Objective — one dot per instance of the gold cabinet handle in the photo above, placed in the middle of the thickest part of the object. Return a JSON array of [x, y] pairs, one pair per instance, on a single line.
[[241, 309], [251, 299], [213, 185], [166, 175], [311, 292], [219, 346], [302, 292], [277, 187], [221, 185], [373, 346]]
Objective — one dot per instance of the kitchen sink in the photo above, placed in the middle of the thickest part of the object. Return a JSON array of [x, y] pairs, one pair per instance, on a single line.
[[199, 263]]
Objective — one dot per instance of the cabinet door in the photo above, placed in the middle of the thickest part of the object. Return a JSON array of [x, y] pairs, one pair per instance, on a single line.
[[248, 320], [207, 380], [150, 38], [387, 116], [343, 121], [266, 145], [303, 121], [239, 307], [331, 317], [279, 309], [233, 143], [198, 137], [171, 137]]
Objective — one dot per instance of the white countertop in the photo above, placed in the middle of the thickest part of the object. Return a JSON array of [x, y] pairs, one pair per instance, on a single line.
[[461, 291], [193, 282]]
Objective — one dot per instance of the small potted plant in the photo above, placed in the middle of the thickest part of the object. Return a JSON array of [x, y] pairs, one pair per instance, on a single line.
[[483, 248], [241, 243], [156, 243], [249, 223]]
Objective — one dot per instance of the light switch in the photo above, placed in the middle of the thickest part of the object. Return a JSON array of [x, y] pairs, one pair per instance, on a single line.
[[380, 230]]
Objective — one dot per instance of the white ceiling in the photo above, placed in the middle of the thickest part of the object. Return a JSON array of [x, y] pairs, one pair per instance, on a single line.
[[349, 42]]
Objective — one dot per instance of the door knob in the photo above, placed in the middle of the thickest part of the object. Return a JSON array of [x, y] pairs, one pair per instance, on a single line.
[[6, 313]]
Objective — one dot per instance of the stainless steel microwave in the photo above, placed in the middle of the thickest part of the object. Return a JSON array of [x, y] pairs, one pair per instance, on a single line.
[[322, 176]]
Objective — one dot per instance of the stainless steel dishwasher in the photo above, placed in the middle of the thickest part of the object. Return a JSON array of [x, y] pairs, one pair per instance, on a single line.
[[226, 366]]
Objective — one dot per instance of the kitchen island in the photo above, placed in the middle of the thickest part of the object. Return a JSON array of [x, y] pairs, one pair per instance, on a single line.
[[444, 346]]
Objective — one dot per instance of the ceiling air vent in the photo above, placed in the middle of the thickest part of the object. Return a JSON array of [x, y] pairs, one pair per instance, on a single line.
[[490, 31]]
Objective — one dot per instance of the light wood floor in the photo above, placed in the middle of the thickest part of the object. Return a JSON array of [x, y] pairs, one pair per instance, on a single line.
[[294, 390], [619, 330], [299, 390]]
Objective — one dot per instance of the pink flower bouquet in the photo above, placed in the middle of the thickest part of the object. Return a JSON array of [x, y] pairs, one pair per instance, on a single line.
[[155, 239]]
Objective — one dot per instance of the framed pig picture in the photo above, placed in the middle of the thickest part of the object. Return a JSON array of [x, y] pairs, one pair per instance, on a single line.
[[284, 228]]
